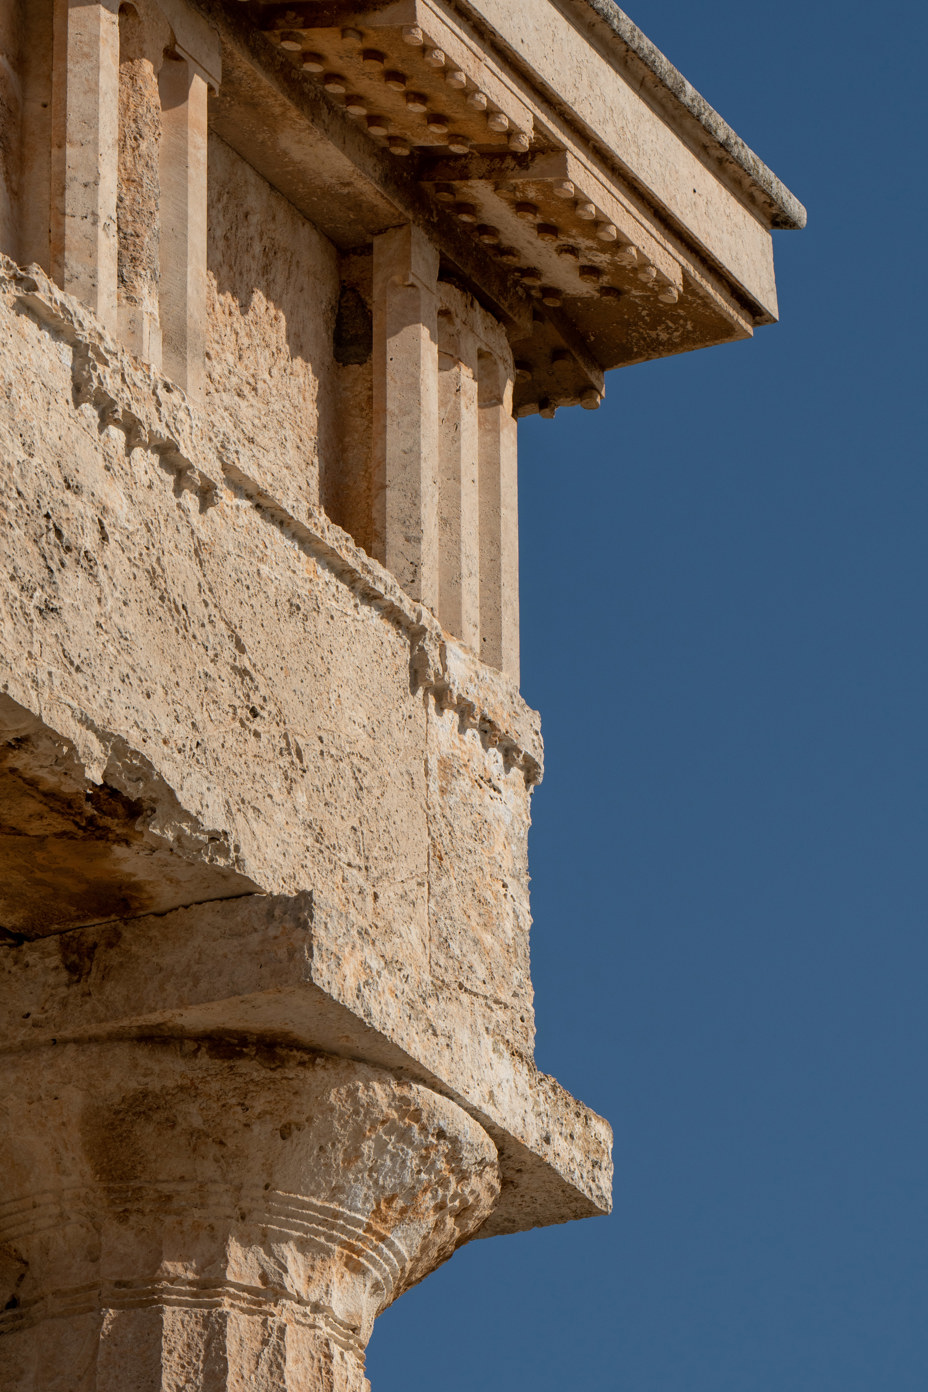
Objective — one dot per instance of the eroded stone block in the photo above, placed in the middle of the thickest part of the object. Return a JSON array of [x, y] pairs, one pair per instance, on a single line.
[[276, 283]]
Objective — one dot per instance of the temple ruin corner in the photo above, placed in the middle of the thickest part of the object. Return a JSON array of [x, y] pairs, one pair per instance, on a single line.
[[277, 282]]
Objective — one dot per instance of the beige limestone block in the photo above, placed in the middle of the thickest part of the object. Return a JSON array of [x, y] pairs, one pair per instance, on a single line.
[[138, 202], [245, 670], [194, 37], [459, 499], [479, 916], [479, 456], [11, 121], [215, 1214], [212, 682], [85, 854], [499, 520], [184, 94], [85, 134], [405, 407], [302, 970], [592, 94], [272, 293], [34, 211], [466, 51]]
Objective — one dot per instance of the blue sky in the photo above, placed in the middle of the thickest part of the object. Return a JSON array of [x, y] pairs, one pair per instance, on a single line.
[[724, 591]]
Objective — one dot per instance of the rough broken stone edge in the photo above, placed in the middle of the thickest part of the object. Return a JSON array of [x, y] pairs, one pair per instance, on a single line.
[[157, 416], [132, 774], [532, 1147], [786, 212]]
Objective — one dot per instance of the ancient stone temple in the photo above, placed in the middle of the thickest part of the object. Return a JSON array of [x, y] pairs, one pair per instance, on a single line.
[[278, 279]]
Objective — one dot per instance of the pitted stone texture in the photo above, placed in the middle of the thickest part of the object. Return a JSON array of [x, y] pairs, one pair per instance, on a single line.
[[274, 713], [479, 916], [143, 36], [271, 376], [274, 688], [205, 1213], [260, 688], [72, 851], [10, 117], [292, 970]]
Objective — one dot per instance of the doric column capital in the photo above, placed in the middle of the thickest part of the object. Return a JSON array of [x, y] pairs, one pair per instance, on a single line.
[[212, 1215]]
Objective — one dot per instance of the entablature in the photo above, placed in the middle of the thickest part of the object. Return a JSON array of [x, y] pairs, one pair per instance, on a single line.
[[605, 219]]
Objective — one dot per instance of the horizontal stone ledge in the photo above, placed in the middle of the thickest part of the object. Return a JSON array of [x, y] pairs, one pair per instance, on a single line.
[[298, 972], [683, 105], [307, 146]]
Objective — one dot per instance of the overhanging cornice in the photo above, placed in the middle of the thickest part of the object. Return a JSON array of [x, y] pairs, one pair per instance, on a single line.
[[691, 114]]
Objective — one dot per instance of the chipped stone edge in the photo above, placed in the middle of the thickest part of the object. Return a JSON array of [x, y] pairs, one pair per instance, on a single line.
[[105, 757], [273, 976], [783, 208], [157, 416]]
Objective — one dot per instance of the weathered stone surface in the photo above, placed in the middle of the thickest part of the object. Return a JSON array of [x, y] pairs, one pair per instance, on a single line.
[[687, 110], [84, 155], [663, 177], [74, 851], [270, 368], [208, 1213], [275, 283], [11, 101], [139, 179], [410, 784], [231, 578], [298, 972], [190, 677]]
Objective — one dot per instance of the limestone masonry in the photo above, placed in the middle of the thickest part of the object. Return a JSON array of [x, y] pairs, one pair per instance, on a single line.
[[277, 281]]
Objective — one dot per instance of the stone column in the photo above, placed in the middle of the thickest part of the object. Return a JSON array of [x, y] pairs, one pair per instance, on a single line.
[[11, 124], [207, 1215], [184, 93], [85, 127], [38, 39], [459, 525], [405, 408], [499, 517], [138, 202]]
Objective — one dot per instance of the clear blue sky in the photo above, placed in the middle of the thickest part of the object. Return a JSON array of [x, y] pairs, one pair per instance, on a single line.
[[724, 594]]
